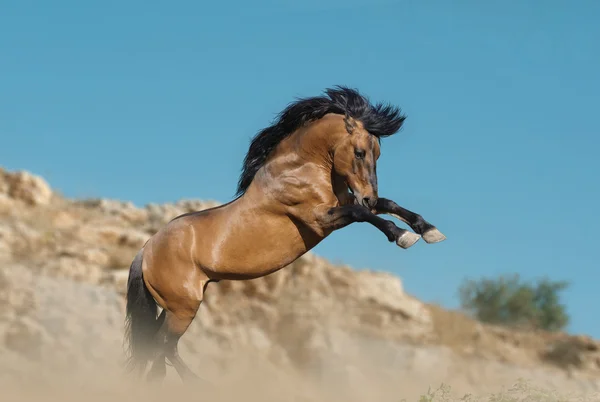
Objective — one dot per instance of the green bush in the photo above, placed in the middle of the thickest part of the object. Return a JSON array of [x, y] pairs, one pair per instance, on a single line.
[[511, 302]]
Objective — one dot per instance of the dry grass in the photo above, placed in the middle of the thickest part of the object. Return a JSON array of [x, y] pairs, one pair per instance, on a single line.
[[568, 353], [454, 329], [464, 335], [521, 391]]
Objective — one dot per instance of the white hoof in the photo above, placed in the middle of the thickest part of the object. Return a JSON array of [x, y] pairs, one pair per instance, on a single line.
[[433, 236], [407, 239]]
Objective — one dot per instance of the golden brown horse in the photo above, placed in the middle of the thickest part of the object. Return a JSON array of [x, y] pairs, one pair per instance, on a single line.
[[310, 173]]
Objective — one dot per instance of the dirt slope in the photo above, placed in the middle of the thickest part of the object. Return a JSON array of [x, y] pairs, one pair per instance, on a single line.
[[312, 330]]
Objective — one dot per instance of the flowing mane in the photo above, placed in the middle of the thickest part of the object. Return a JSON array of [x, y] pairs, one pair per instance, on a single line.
[[380, 120]]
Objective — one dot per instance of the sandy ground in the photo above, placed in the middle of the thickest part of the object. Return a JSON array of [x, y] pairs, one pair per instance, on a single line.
[[63, 342]]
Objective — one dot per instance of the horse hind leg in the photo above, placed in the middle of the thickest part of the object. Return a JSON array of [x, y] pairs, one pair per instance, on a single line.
[[176, 327], [171, 330], [158, 370], [177, 321]]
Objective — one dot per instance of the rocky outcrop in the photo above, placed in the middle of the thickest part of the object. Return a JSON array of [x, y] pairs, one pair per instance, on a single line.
[[25, 187], [63, 270]]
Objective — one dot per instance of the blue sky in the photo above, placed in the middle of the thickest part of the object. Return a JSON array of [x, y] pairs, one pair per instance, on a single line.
[[151, 102]]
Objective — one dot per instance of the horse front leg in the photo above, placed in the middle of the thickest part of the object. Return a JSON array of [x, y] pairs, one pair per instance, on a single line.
[[339, 217], [428, 231]]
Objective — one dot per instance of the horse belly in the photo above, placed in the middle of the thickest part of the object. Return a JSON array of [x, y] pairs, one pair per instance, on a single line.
[[254, 254]]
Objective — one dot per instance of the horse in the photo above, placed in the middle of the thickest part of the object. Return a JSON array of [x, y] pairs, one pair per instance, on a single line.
[[312, 172]]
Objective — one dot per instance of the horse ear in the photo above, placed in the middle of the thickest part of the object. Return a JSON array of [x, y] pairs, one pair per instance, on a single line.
[[350, 124]]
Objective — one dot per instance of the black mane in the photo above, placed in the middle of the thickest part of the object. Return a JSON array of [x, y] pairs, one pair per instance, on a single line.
[[380, 120]]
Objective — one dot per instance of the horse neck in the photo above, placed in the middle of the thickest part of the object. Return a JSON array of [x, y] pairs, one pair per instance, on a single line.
[[316, 142], [313, 143]]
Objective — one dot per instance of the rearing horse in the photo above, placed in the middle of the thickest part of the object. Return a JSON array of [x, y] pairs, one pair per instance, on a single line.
[[310, 173]]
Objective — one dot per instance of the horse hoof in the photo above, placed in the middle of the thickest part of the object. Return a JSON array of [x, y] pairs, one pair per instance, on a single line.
[[433, 236], [407, 239]]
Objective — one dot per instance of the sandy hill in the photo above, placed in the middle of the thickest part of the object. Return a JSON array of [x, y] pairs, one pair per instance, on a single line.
[[311, 326]]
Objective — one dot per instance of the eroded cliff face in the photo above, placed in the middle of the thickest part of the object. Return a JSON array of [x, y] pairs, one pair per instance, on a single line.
[[63, 269]]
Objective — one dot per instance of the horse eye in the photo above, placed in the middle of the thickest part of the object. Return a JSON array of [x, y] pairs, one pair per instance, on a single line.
[[359, 153]]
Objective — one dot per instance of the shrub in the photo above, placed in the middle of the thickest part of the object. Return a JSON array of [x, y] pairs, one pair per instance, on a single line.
[[511, 302]]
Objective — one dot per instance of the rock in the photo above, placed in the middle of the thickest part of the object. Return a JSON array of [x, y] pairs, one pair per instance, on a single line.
[[26, 187], [22, 240], [386, 291], [6, 204], [161, 214], [64, 220], [124, 210], [5, 242], [74, 268], [113, 236], [96, 256], [93, 256], [195, 205], [17, 299], [17, 240]]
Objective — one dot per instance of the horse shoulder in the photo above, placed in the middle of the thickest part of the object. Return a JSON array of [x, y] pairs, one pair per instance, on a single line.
[[308, 203]]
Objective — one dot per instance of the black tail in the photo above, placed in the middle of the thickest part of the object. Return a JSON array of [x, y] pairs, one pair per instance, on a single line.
[[141, 322]]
